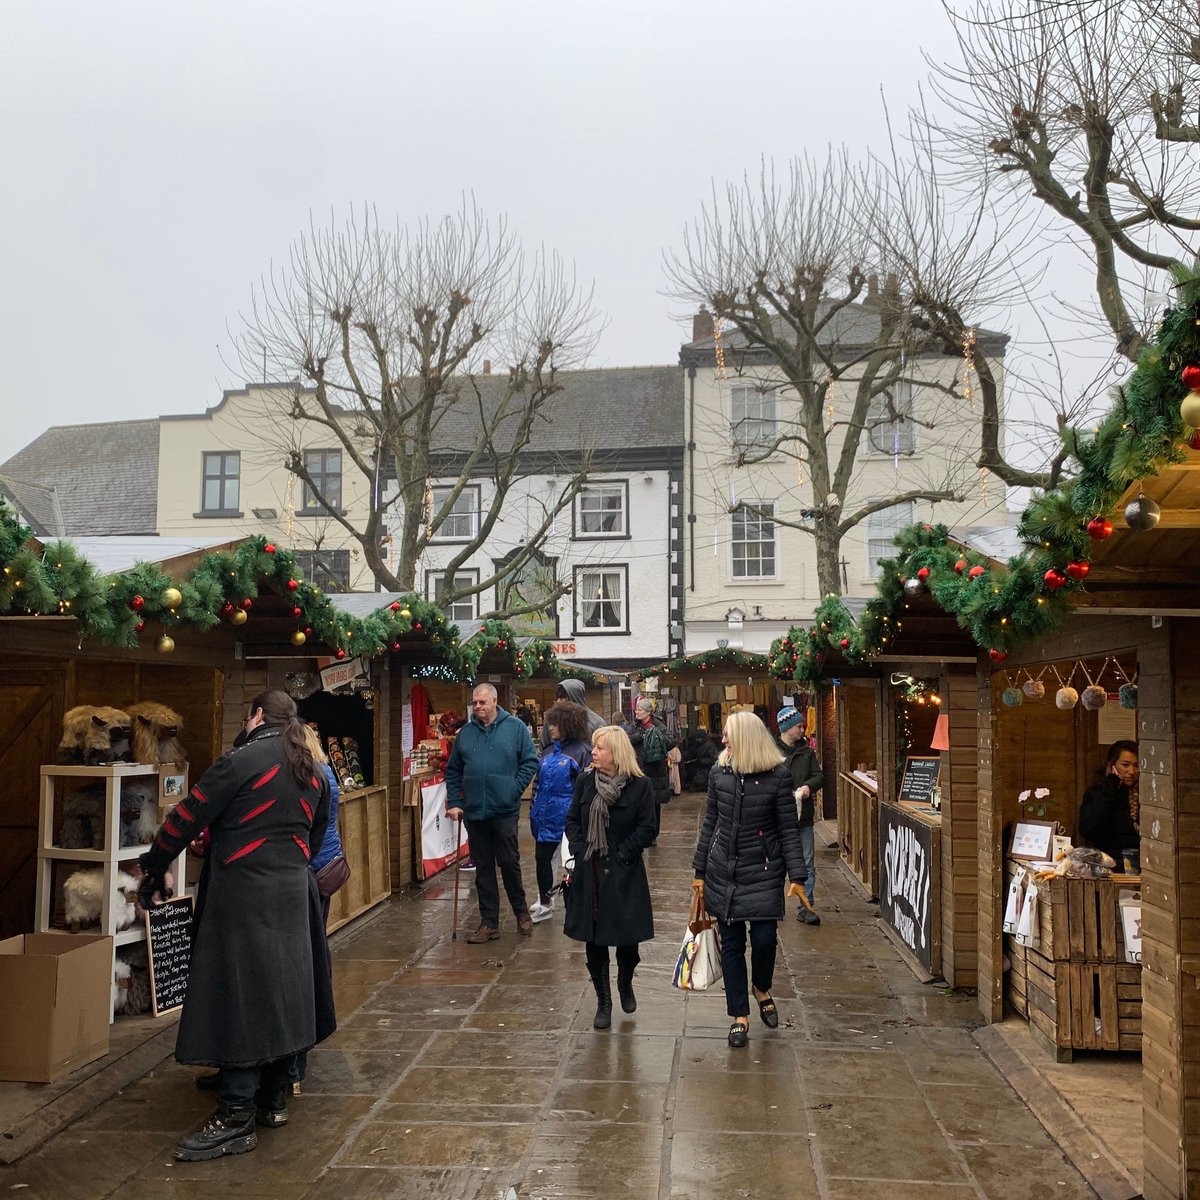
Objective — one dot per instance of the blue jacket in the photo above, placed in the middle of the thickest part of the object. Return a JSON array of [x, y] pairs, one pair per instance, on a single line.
[[554, 787], [331, 847], [490, 766]]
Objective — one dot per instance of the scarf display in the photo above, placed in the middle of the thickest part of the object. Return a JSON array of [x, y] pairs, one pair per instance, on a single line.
[[608, 788]]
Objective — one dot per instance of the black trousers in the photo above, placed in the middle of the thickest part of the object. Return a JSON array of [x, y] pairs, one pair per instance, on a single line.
[[628, 957], [494, 844], [239, 1085], [764, 941], [543, 856]]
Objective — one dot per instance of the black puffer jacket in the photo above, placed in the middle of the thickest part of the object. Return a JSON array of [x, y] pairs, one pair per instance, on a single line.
[[750, 832]]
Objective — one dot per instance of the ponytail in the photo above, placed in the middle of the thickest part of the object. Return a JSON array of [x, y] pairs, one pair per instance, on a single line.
[[279, 711]]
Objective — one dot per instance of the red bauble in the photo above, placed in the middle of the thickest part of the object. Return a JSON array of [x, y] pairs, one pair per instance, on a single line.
[[247, 604], [1191, 377], [1194, 441], [226, 608], [139, 627], [395, 606], [308, 631], [960, 566], [501, 643], [997, 656], [340, 654], [268, 549], [395, 645], [137, 604], [1078, 570], [295, 612], [1054, 579], [845, 643], [974, 572], [923, 574], [293, 584], [417, 626], [1099, 528]]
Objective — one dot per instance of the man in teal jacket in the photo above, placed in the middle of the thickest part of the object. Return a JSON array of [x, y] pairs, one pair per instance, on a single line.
[[491, 764]]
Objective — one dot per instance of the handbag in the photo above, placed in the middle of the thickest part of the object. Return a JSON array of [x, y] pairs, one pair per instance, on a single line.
[[333, 875], [698, 965]]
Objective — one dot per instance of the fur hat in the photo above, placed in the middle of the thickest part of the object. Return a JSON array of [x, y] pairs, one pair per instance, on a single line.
[[787, 717]]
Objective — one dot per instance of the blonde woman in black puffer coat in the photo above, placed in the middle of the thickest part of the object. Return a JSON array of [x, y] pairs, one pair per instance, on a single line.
[[749, 841]]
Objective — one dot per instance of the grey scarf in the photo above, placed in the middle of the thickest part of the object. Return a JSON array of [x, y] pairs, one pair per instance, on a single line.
[[608, 788]]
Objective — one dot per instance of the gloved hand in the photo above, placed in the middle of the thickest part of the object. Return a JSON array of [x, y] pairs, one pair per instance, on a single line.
[[149, 886]]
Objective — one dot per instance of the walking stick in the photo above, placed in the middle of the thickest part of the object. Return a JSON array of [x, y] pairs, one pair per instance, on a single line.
[[457, 863]]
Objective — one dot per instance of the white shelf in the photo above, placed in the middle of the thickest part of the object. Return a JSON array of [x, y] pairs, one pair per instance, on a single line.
[[126, 937], [121, 770]]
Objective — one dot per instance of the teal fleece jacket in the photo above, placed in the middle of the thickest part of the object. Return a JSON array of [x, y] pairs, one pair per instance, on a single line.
[[489, 767]]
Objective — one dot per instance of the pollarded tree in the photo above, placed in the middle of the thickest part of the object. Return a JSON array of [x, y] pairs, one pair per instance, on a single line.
[[388, 333]]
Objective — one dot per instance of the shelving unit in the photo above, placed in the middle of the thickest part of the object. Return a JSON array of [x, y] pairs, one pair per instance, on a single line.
[[114, 856]]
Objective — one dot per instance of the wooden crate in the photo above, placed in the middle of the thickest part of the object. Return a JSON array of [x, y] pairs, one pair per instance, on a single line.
[[363, 824], [1084, 1006]]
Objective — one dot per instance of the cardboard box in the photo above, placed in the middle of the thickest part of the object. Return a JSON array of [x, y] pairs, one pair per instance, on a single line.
[[57, 990]]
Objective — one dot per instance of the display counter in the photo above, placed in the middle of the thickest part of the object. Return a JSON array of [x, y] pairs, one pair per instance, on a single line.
[[858, 828], [910, 879], [1073, 981], [363, 824]]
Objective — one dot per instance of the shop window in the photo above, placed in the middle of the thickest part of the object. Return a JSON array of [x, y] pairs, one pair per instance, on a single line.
[[328, 569], [601, 599], [882, 527], [461, 523], [221, 488], [325, 469], [466, 608], [601, 509], [753, 534]]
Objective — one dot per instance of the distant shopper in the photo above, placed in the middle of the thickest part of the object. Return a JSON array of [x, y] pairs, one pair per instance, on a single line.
[[750, 834], [1106, 815], [807, 779], [553, 786], [574, 691], [651, 743], [609, 824], [489, 768]]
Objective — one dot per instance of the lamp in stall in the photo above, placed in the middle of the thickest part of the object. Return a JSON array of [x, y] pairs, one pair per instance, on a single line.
[[941, 733]]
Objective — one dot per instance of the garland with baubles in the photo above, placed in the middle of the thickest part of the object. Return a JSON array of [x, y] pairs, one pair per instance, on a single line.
[[722, 656]]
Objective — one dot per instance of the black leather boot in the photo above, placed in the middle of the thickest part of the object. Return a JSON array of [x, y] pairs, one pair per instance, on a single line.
[[603, 988], [227, 1131], [271, 1106], [625, 988]]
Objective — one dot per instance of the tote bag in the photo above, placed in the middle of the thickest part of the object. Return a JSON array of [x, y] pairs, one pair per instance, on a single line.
[[698, 965]]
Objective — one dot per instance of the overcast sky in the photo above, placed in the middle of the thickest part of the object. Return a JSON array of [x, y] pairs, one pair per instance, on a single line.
[[157, 157]]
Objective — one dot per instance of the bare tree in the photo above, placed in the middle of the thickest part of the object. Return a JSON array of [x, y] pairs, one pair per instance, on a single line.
[[388, 334]]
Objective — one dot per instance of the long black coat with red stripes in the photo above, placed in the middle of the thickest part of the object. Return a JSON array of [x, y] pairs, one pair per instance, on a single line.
[[259, 986]]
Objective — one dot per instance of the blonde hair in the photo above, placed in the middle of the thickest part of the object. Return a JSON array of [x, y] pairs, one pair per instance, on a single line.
[[314, 745], [750, 747], [624, 758]]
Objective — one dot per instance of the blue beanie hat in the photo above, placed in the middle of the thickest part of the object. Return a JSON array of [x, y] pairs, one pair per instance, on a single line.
[[788, 717]]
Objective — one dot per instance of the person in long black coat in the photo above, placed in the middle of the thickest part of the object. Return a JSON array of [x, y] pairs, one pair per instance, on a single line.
[[259, 987], [750, 835], [1105, 816], [609, 824]]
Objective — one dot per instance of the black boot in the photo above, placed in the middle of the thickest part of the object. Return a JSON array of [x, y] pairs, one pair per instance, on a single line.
[[625, 988], [603, 987], [227, 1131], [271, 1105]]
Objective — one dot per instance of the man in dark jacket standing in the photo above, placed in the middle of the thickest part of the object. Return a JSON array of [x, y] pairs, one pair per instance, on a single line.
[[806, 782], [651, 740], [573, 691], [491, 764]]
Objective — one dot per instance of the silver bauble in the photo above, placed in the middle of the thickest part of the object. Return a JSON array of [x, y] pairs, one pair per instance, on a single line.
[[913, 587], [1142, 514]]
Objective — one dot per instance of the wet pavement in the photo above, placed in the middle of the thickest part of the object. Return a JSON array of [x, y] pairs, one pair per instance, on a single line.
[[461, 1071]]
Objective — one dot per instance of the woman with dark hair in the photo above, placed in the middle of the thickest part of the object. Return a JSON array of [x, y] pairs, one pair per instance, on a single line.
[[259, 987], [553, 787], [1106, 818]]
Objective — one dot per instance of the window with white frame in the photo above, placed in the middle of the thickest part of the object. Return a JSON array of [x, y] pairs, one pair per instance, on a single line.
[[601, 599], [324, 468], [602, 509], [752, 535], [890, 425], [882, 527], [462, 521], [465, 608], [753, 416]]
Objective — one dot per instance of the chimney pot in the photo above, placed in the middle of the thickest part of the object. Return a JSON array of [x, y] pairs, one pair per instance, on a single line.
[[702, 325], [487, 366]]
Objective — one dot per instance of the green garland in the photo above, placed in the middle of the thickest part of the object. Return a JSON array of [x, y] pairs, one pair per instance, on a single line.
[[723, 656], [1001, 607]]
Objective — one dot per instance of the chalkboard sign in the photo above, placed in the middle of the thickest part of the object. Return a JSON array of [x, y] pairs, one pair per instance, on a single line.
[[920, 776], [169, 930]]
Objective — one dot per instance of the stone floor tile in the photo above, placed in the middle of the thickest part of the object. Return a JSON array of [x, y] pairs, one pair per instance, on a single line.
[[478, 1085], [637, 1058], [420, 1112], [610, 1101], [1031, 1175], [445, 1144], [874, 1189], [333, 1072], [766, 1168], [486, 1049], [719, 1101], [594, 1162], [411, 1183], [522, 1021], [993, 1116], [833, 1071], [72, 1165]]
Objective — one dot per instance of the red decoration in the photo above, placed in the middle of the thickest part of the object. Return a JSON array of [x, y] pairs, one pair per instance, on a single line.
[[247, 604], [137, 604], [997, 656], [1099, 528], [293, 584], [395, 645], [139, 627], [1078, 570], [923, 574], [960, 566], [974, 572], [845, 643], [296, 612], [1191, 377], [395, 606], [226, 608], [1054, 579], [501, 643], [1194, 441], [268, 549], [308, 631], [417, 626], [340, 654]]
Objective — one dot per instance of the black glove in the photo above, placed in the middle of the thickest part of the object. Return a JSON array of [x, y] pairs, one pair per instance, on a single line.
[[148, 886]]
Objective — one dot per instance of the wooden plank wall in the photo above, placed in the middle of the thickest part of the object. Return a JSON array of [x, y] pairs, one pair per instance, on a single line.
[[402, 821], [990, 859], [959, 841]]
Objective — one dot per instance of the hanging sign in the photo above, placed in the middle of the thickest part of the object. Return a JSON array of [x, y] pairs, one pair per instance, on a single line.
[[169, 937], [338, 674]]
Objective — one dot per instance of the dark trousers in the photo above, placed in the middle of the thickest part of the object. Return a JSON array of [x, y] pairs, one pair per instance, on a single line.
[[543, 856], [764, 940], [494, 844], [597, 958], [239, 1085]]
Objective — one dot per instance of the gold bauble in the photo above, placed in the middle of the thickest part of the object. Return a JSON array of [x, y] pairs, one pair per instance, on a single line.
[[172, 597], [239, 616], [165, 644], [1189, 410], [298, 638], [406, 614]]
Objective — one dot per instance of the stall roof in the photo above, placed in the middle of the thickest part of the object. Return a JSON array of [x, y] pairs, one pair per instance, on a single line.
[[362, 604], [571, 663], [997, 542], [120, 552]]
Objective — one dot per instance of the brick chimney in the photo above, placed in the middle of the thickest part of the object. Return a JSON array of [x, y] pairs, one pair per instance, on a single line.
[[487, 366], [872, 298], [702, 325]]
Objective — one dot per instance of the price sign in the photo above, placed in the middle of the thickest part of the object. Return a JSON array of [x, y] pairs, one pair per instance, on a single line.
[[169, 936], [920, 776]]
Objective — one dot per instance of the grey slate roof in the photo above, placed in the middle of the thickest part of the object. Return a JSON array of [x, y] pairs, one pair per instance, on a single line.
[[37, 504], [105, 476]]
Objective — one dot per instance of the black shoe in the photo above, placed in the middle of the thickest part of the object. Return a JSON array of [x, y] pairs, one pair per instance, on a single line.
[[209, 1083], [271, 1106], [603, 1018], [227, 1131], [809, 917], [625, 991], [739, 1035], [768, 1012]]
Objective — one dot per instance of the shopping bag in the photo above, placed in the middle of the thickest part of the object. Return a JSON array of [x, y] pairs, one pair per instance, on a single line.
[[1028, 927], [1012, 910], [698, 965]]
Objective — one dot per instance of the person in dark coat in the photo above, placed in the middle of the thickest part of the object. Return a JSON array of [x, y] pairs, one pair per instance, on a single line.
[[259, 988], [574, 692], [807, 779], [1106, 817], [651, 741], [609, 824], [750, 834]]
